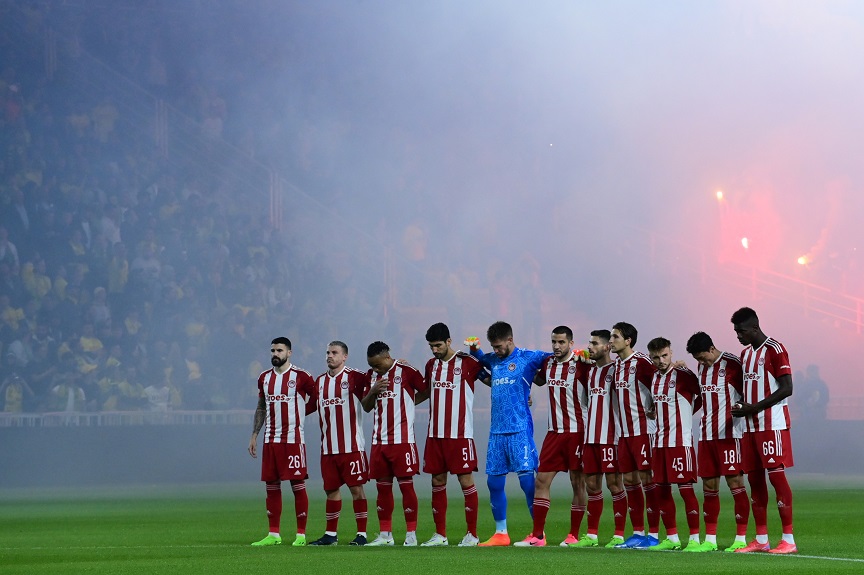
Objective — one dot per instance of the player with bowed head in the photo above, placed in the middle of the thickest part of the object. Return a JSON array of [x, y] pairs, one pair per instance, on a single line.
[[511, 431], [393, 388], [600, 452], [675, 391], [766, 444], [450, 377], [719, 453]]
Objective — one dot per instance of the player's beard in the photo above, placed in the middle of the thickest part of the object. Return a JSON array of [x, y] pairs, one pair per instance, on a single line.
[[277, 361]]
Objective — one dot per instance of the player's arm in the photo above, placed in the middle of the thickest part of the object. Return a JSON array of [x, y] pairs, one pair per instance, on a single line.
[[690, 390], [422, 386], [540, 376], [479, 373], [257, 424], [311, 396], [474, 349], [784, 390]]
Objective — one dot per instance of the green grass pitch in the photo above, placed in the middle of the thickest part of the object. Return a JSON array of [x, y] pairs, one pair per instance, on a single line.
[[207, 530]]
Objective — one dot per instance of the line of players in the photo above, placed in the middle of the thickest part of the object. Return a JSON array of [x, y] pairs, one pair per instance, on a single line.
[[627, 421]]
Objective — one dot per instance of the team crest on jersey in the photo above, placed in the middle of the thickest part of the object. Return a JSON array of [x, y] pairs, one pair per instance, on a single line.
[[511, 367], [721, 372], [344, 385], [608, 378], [397, 380], [457, 371], [572, 369], [761, 361], [292, 383], [632, 369]]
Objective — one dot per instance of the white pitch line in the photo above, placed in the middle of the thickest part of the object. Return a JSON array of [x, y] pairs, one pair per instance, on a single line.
[[99, 548]]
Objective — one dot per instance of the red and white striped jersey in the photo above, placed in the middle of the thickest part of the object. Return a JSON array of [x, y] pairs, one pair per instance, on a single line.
[[721, 386], [285, 397], [340, 412], [633, 394], [675, 393], [602, 406], [393, 420], [762, 367], [451, 397], [568, 400]]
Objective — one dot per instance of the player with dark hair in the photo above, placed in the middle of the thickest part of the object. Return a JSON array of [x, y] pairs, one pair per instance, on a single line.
[[393, 388], [511, 433], [633, 375], [719, 453], [599, 454], [286, 394], [766, 444], [343, 446], [563, 374], [675, 391], [450, 377]]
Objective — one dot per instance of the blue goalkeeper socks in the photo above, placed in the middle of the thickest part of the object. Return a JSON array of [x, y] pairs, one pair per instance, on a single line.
[[526, 482], [498, 500]]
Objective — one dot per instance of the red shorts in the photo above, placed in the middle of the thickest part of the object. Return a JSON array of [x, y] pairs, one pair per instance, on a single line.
[[283, 462], [719, 457], [634, 453], [397, 460], [340, 469], [561, 452], [599, 458], [456, 456], [673, 464], [766, 450]]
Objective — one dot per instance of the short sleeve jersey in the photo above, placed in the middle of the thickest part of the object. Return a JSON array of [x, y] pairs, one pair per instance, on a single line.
[[565, 382], [674, 393], [633, 393], [451, 396], [285, 397], [721, 385], [762, 367], [393, 414], [340, 412], [602, 406], [512, 378]]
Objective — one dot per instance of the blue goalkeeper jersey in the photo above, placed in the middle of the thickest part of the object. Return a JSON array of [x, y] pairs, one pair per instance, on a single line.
[[512, 378]]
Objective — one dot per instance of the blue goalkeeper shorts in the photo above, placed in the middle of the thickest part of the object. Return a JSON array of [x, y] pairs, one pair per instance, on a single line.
[[511, 452]]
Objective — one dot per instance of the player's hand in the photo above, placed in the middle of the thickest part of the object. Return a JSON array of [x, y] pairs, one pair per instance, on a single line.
[[651, 414], [583, 355], [379, 385], [530, 401], [472, 342], [253, 448], [742, 409], [680, 364]]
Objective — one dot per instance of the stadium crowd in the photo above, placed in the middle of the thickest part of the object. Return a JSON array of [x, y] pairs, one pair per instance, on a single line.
[[125, 282]]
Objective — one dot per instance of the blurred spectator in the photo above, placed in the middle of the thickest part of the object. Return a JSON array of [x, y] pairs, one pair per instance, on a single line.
[[67, 394], [15, 392], [811, 395], [8, 251], [99, 313]]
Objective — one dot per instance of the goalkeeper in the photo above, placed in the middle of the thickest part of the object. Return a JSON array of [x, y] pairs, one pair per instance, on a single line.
[[511, 433]]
